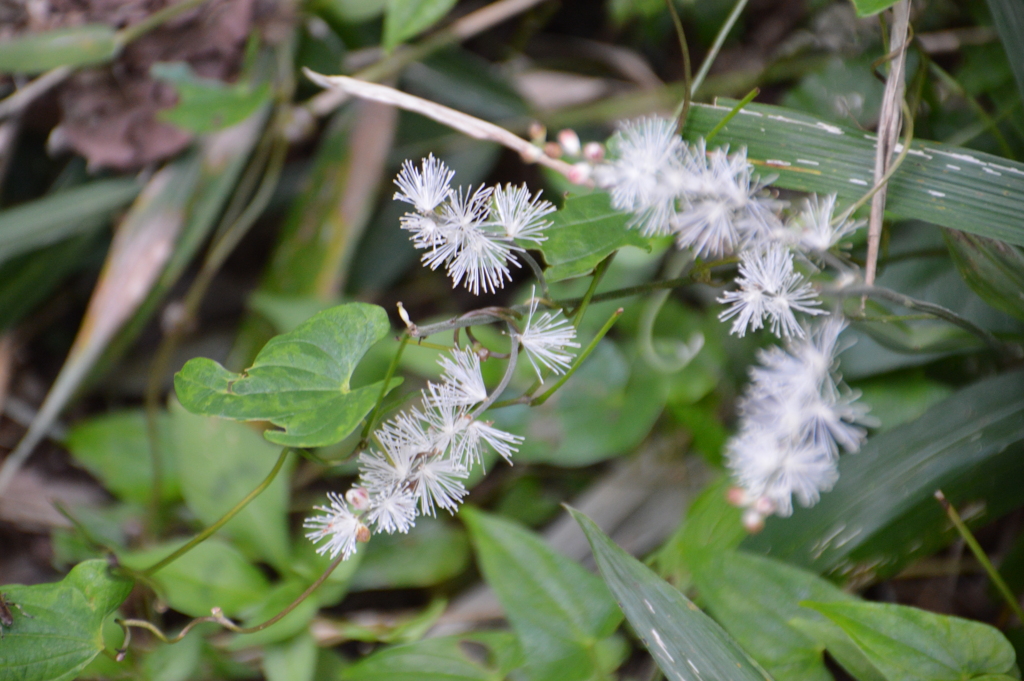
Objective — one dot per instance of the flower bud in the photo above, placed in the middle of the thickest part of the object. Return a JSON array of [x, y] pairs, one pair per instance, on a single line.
[[552, 150], [358, 498], [764, 506], [753, 522], [580, 173], [362, 534], [538, 133], [593, 152], [737, 496], [570, 142]]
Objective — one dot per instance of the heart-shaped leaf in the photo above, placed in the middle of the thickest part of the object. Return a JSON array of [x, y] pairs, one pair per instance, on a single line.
[[58, 630], [299, 380]]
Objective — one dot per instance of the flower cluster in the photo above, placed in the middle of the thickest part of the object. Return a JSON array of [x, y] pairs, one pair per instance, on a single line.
[[709, 201], [473, 233], [424, 456], [796, 415]]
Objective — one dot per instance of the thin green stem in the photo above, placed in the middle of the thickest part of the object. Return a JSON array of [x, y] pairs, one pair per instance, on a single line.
[[599, 273], [732, 114], [683, 110], [537, 272], [938, 311], [979, 553], [716, 46], [218, 617], [984, 117], [541, 399], [205, 534], [510, 369], [371, 421], [130, 33], [645, 336]]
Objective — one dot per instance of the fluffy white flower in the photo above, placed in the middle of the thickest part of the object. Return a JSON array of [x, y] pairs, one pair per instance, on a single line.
[[425, 475], [796, 415], [545, 339], [769, 289], [482, 261], [520, 215], [815, 231], [393, 510], [340, 527], [425, 189], [480, 433], [462, 375]]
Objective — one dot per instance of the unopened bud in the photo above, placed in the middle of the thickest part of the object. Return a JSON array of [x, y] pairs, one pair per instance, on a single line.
[[737, 496], [753, 521], [580, 173], [404, 315], [593, 152], [765, 506], [553, 150], [570, 142], [362, 534], [538, 133], [358, 498]]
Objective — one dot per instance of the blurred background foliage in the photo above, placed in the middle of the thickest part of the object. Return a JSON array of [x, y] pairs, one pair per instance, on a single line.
[[172, 187]]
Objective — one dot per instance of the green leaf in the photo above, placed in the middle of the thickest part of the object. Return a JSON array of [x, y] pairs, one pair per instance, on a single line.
[[204, 104], [686, 643], [430, 553], [77, 46], [583, 233], [1008, 19], [60, 631], [754, 598], [882, 513], [899, 401], [295, 622], [408, 18], [114, 447], [949, 186], [993, 269], [909, 644], [213, 574], [482, 656], [299, 380], [559, 610], [293, 660], [220, 462], [866, 8], [61, 215], [177, 662]]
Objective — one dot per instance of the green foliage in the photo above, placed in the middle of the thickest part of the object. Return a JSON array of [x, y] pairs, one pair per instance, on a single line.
[[408, 18], [559, 611], [220, 462], [686, 643], [583, 233], [993, 269], [430, 553], [949, 186], [299, 380], [868, 7], [60, 631], [77, 46], [213, 574], [882, 513], [115, 448], [206, 105], [453, 658], [909, 644]]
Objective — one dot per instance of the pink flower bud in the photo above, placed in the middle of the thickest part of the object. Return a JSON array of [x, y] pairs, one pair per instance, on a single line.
[[593, 152], [570, 142], [362, 534], [753, 521], [538, 133], [358, 498], [737, 496], [580, 173]]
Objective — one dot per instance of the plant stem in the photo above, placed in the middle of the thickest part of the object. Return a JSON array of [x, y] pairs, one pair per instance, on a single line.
[[683, 110], [922, 306], [130, 33], [599, 272], [371, 421], [723, 32], [541, 399], [509, 370], [205, 534], [537, 272], [976, 549], [732, 114]]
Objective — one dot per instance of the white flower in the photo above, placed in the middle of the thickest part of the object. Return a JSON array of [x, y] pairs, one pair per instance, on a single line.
[[423, 474], [425, 189], [814, 224], [446, 418], [519, 215], [339, 526], [462, 375], [545, 340], [482, 261], [769, 289], [796, 415], [427, 231], [479, 433], [645, 175], [393, 510]]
